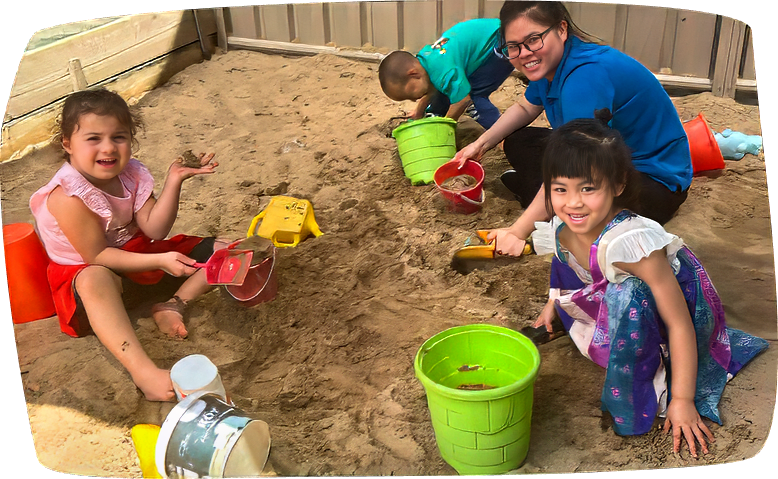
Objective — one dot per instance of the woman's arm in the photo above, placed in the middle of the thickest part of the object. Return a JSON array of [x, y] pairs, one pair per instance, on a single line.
[[519, 115], [682, 415], [83, 229]]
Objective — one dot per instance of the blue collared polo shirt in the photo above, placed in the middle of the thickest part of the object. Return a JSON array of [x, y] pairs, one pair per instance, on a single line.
[[591, 77]]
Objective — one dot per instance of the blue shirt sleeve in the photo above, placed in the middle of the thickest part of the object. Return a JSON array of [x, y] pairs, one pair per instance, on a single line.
[[586, 89], [531, 94]]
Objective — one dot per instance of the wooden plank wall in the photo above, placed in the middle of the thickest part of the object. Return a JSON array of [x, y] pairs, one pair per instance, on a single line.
[[134, 53], [683, 48], [677, 45]]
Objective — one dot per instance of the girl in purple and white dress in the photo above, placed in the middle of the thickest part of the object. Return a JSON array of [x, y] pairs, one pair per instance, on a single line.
[[632, 296]]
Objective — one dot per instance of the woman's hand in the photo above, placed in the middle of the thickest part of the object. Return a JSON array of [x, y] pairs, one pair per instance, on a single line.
[[684, 420], [474, 151], [181, 172], [176, 264], [507, 243]]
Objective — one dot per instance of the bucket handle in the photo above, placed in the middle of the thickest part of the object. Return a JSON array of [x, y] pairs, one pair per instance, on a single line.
[[472, 202], [267, 280]]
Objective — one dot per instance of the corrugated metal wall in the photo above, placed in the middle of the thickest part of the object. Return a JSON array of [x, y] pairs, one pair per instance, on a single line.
[[684, 48]]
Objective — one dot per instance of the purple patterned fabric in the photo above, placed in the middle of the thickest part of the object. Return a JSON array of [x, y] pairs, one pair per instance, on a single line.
[[629, 338]]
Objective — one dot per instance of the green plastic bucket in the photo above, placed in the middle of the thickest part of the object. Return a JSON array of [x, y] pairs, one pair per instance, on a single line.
[[424, 145], [479, 431]]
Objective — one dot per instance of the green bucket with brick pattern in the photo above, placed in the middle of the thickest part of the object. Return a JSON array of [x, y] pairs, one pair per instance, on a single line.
[[424, 145], [479, 380]]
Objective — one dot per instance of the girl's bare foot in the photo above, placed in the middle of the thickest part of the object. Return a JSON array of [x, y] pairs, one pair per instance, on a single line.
[[155, 384], [169, 317]]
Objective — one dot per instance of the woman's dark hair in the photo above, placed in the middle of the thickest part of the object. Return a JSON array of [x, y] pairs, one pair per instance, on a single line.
[[542, 13], [100, 102], [588, 148]]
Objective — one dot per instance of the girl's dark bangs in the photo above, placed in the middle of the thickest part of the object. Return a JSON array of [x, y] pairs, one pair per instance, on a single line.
[[570, 161]]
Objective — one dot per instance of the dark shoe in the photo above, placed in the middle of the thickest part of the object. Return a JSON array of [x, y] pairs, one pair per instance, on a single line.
[[540, 335], [511, 181], [471, 111]]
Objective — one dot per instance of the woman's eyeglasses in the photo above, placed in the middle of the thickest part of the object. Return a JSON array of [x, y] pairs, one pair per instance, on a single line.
[[512, 50]]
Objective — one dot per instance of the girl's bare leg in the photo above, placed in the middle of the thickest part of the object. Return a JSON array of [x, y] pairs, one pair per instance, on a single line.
[[100, 291], [169, 316]]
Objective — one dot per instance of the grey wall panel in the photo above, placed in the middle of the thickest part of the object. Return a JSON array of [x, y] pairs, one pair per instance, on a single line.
[[310, 25], [419, 24], [243, 22], [693, 44], [276, 23], [384, 21], [346, 24]]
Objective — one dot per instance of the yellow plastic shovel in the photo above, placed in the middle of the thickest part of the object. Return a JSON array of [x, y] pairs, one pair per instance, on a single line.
[[477, 247], [483, 248]]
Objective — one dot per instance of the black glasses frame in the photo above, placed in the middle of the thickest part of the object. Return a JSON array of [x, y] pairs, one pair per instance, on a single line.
[[502, 51]]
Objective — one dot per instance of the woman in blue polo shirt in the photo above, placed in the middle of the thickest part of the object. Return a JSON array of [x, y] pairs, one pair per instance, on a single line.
[[570, 77]]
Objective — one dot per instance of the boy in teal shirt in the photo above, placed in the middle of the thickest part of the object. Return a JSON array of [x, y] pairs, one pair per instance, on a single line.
[[445, 77]]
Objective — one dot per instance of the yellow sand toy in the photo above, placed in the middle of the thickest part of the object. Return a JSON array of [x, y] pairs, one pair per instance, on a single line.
[[286, 221], [144, 437], [479, 247]]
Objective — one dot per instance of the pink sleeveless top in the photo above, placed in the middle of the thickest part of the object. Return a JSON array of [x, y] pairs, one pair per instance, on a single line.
[[117, 215]]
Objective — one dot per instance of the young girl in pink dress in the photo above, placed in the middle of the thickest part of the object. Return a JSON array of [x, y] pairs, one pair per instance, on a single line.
[[99, 220], [632, 296]]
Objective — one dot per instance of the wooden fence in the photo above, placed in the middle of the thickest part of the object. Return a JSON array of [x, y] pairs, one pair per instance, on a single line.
[[133, 54], [683, 48]]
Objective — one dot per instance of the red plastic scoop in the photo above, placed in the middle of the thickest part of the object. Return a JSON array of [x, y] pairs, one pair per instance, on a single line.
[[227, 266]]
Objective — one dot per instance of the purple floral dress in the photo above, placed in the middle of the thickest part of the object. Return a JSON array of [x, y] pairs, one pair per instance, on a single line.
[[613, 319]]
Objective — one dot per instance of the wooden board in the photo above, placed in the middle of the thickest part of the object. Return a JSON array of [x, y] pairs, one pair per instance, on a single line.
[[36, 128], [108, 50]]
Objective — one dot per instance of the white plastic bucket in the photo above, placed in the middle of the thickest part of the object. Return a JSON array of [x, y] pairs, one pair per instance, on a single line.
[[195, 373]]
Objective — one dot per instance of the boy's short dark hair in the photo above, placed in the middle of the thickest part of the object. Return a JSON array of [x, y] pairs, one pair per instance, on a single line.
[[394, 67]]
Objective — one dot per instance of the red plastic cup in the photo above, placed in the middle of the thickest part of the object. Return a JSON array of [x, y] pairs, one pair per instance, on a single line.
[[260, 285]]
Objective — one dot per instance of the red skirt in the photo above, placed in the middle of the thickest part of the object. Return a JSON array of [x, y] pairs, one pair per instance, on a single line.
[[61, 278]]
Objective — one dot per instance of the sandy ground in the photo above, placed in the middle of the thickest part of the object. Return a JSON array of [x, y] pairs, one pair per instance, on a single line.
[[328, 363]]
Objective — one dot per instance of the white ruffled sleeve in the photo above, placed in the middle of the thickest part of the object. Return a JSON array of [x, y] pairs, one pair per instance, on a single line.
[[631, 241]]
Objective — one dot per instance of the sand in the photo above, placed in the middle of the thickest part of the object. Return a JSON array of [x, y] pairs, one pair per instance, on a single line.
[[328, 364]]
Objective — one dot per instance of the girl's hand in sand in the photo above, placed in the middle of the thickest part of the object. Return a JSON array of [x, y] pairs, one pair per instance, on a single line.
[[181, 170], [546, 316], [176, 264], [506, 242], [683, 418], [155, 384]]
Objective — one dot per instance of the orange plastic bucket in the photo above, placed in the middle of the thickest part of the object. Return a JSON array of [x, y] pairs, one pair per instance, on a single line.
[[466, 201], [706, 154], [25, 263]]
